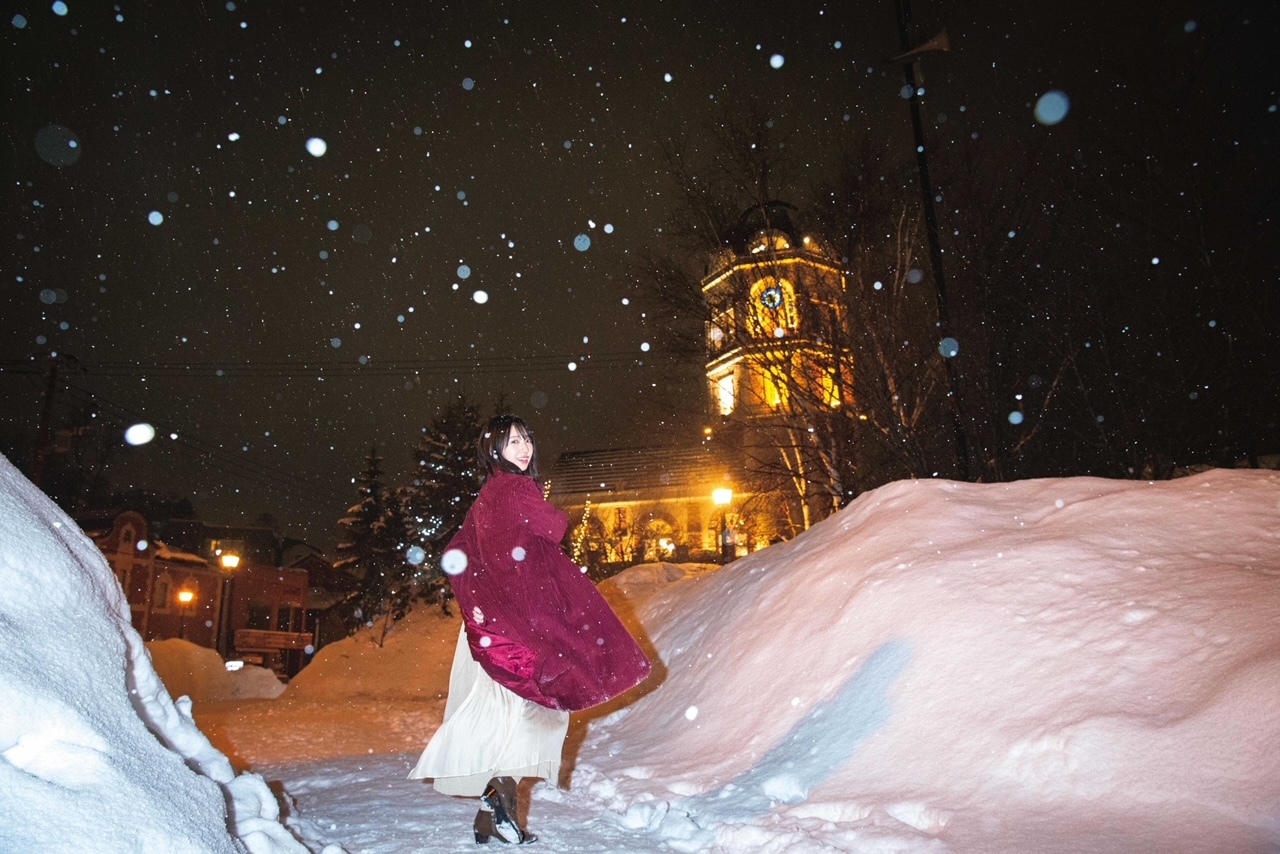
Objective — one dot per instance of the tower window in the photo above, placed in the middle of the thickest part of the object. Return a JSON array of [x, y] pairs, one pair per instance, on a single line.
[[726, 393], [773, 388], [830, 391], [161, 593]]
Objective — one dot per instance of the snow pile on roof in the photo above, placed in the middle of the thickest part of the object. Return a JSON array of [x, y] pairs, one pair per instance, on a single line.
[[164, 551], [992, 666], [94, 750], [195, 671]]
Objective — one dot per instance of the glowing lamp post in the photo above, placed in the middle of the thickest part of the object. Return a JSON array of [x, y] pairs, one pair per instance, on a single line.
[[722, 498], [185, 598], [229, 563]]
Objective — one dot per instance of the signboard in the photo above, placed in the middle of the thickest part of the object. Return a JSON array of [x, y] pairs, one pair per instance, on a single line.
[[259, 640]]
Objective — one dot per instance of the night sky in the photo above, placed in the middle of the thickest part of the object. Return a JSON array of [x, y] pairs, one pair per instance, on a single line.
[[167, 226]]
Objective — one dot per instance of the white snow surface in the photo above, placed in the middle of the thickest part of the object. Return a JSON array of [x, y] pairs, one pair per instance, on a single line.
[[95, 754], [1052, 665]]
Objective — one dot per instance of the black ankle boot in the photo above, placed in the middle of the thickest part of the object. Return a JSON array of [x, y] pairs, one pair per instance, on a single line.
[[484, 828], [499, 803]]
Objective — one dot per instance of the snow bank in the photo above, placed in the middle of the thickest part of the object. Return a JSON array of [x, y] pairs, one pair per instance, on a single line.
[[201, 674], [944, 661], [643, 580], [94, 750], [412, 663]]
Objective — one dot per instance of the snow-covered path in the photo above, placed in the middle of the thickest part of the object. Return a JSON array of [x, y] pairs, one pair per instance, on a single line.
[[366, 804], [370, 808]]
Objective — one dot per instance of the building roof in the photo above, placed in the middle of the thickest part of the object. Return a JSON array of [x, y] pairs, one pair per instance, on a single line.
[[166, 552], [628, 474], [258, 544]]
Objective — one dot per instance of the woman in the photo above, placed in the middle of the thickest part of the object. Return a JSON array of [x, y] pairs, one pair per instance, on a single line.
[[537, 642]]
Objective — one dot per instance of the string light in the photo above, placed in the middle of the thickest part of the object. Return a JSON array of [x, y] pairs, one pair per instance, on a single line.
[[580, 535]]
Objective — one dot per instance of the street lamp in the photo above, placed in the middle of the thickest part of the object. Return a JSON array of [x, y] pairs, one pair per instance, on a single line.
[[229, 563], [185, 597], [722, 497]]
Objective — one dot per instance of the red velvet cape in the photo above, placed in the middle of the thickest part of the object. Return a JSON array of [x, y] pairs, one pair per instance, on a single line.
[[534, 621]]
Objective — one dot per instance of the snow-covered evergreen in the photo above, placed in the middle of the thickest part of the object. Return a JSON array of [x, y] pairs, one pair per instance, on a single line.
[[368, 549], [445, 483]]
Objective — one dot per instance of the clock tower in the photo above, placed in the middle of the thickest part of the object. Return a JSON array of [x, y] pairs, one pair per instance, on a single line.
[[773, 342]]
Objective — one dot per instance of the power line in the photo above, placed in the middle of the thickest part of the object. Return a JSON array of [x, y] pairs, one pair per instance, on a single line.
[[273, 478], [290, 369]]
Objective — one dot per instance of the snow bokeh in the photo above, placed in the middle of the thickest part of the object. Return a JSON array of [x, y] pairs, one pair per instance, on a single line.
[[1049, 665]]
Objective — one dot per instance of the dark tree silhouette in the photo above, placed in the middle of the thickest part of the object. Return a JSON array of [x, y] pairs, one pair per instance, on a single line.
[[368, 551], [445, 483]]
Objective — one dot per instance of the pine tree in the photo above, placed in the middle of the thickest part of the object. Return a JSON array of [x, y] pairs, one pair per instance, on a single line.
[[395, 538], [401, 584], [368, 547], [445, 484]]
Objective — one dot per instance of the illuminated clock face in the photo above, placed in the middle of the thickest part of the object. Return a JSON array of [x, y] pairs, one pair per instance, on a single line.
[[771, 297]]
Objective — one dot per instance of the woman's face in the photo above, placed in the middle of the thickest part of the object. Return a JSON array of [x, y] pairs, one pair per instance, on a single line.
[[519, 448]]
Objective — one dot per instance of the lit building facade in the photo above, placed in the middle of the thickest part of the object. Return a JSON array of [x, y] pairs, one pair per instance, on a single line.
[[778, 375], [637, 505], [171, 593], [778, 366]]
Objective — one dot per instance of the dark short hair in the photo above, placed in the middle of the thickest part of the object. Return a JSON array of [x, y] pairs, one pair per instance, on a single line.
[[492, 442]]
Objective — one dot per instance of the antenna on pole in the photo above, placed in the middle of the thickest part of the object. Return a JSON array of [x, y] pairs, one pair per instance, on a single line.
[[941, 43], [907, 59]]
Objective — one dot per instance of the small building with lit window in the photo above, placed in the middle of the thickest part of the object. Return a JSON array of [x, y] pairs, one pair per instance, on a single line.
[[226, 588], [171, 593], [265, 618]]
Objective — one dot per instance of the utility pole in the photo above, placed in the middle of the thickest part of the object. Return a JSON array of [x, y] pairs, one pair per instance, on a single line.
[[44, 436], [908, 58]]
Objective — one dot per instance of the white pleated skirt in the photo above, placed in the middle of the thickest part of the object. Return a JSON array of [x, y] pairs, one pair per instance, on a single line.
[[489, 732]]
